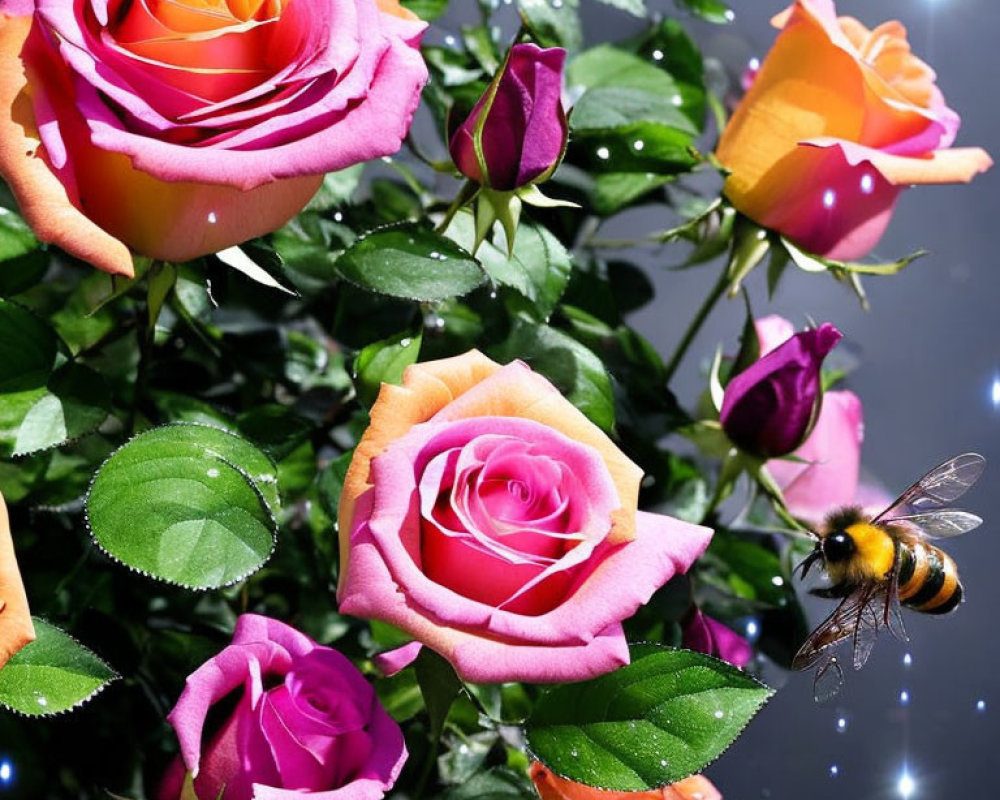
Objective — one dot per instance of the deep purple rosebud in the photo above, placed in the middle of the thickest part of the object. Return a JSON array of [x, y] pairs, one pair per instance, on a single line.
[[769, 409], [706, 635], [525, 130]]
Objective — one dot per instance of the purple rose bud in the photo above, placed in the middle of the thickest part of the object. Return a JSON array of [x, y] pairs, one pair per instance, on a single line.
[[769, 409], [706, 635], [524, 132]]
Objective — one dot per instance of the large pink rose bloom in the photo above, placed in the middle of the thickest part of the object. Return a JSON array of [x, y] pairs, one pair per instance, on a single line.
[[306, 723], [824, 475], [487, 517], [177, 128], [838, 120]]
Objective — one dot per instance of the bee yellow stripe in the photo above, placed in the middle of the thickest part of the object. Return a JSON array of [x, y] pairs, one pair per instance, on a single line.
[[920, 570], [947, 589]]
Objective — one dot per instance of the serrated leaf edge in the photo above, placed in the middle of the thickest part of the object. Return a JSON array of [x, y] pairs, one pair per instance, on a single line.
[[249, 479], [115, 676], [770, 692]]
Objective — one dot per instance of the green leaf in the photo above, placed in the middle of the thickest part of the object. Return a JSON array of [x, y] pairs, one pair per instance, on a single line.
[[338, 186], [427, 10], [27, 349], [614, 190], [74, 402], [52, 674], [384, 362], [553, 24], [571, 366], [631, 88], [44, 400], [658, 720], [331, 483], [499, 783], [439, 685], [635, 7], [538, 269], [746, 569], [412, 262], [709, 10], [187, 504]]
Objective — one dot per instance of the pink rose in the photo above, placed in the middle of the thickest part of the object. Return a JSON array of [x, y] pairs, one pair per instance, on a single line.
[[180, 128], [488, 518], [306, 723], [706, 635], [825, 476], [838, 120]]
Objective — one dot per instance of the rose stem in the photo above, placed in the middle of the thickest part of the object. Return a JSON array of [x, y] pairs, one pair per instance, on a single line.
[[718, 290]]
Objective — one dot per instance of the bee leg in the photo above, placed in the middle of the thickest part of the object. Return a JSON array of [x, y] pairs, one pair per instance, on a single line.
[[806, 564]]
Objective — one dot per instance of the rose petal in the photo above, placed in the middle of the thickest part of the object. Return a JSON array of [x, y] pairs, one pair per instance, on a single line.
[[957, 165], [43, 201], [581, 638], [16, 629], [393, 661]]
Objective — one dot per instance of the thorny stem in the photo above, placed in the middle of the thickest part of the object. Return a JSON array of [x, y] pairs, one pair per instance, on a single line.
[[717, 291]]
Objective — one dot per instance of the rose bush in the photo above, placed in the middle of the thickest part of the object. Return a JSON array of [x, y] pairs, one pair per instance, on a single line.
[[836, 123], [306, 723], [486, 516], [770, 407], [16, 629], [178, 129]]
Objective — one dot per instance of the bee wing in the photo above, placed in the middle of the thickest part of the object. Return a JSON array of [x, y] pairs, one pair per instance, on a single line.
[[942, 485], [833, 630], [942, 524], [828, 681]]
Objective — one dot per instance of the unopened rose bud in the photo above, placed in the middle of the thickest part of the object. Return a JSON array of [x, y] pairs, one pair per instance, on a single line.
[[769, 409], [519, 122]]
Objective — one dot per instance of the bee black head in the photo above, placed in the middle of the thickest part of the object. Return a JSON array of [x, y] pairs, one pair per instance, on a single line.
[[838, 546]]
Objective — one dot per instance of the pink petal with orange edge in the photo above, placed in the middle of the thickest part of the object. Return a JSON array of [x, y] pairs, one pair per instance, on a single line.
[[42, 199], [955, 165]]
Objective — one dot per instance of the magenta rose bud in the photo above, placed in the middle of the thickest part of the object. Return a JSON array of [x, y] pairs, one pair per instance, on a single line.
[[524, 131], [769, 409], [706, 635], [306, 723]]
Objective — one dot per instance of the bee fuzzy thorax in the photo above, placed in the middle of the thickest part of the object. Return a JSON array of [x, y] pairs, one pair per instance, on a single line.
[[855, 550]]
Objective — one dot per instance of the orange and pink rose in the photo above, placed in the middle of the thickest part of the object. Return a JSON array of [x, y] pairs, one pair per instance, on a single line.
[[836, 123], [487, 517], [179, 128]]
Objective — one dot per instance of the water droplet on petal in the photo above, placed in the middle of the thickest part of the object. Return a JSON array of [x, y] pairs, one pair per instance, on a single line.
[[834, 770], [867, 183], [212, 218], [907, 660], [829, 198], [841, 724], [980, 706]]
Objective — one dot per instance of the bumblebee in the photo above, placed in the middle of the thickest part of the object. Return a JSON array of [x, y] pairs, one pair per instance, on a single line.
[[875, 565]]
